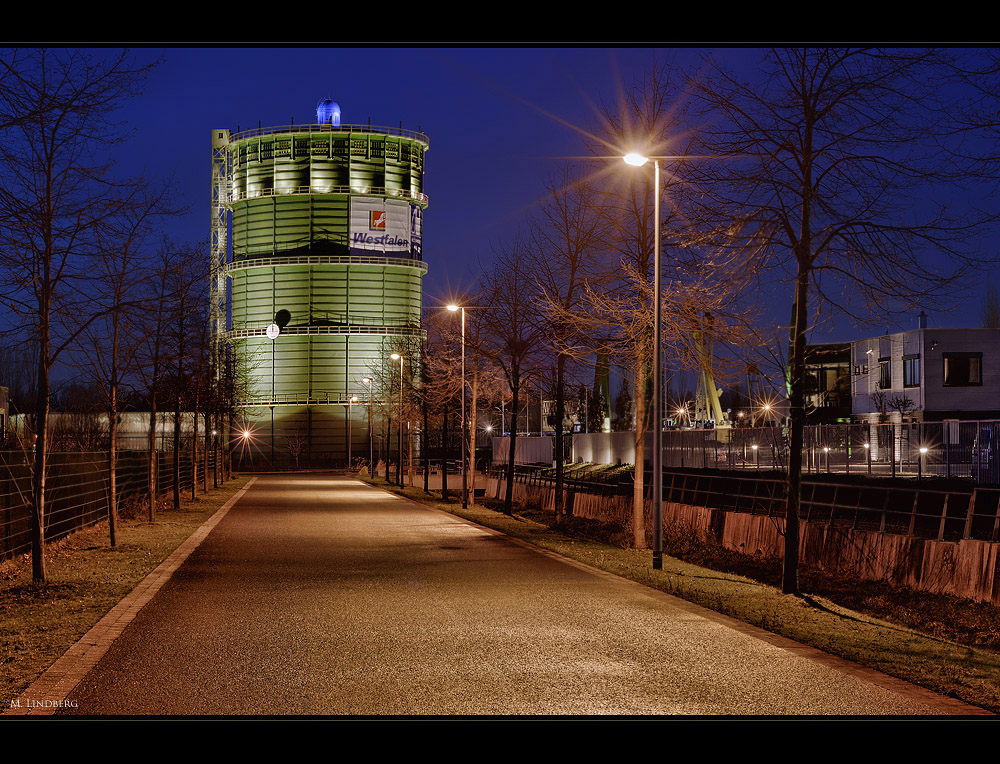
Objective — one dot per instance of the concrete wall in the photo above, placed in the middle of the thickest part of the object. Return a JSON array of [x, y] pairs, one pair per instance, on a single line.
[[527, 450], [606, 447], [966, 568]]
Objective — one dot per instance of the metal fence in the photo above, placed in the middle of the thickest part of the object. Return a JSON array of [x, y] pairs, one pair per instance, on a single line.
[[76, 489], [948, 449], [913, 509]]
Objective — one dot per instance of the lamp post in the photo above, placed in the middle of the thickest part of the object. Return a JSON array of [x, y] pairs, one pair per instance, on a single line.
[[371, 440], [399, 461], [637, 160], [465, 484]]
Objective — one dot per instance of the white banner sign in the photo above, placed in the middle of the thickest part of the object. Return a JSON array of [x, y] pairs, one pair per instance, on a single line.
[[380, 226]]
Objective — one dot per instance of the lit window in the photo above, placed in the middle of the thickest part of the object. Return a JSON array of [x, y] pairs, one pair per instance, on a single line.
[[884, 374], [911, 371], [963, 369]]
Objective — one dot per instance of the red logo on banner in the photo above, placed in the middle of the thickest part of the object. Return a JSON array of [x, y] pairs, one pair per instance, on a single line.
[[376, 221]]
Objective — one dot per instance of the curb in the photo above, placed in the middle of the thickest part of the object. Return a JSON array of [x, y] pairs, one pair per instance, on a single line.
[[48, 693]]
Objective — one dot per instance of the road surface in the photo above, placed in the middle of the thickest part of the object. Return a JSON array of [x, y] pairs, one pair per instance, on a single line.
[[319, 595]]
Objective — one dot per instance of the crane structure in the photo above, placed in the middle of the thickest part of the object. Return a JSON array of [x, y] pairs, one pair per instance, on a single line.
[[707, 406]]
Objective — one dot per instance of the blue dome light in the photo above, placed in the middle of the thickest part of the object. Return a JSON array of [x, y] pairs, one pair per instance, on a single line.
[[328, 112]]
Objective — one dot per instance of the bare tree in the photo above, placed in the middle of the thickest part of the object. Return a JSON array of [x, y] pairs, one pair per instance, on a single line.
[[111, 344], [645, 120], [902, 405], [295, 444], [154, 349], [512, 330], [832, 170], [482, 378], [441, 383], [56, 195], [187, 340], [569, 235]]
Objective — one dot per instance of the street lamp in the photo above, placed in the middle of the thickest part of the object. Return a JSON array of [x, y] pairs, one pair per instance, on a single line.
[[371, 440], [399, 462], [637, 160], [465, 485]]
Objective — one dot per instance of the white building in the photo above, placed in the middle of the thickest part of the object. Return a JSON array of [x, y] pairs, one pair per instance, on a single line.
[[927, 375]]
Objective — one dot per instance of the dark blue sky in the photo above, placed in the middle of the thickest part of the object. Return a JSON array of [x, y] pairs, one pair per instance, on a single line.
[[498, 120]]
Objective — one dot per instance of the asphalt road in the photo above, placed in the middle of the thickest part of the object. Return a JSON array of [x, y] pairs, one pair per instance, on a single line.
[[319, 595]]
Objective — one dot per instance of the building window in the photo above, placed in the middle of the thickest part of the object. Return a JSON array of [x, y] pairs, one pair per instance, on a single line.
[[963, 369], [911, 371], [884, 374]]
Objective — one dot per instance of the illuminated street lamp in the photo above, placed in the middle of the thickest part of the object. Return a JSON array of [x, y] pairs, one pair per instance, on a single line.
[[399, 462], [868, 457], [765, 410], [638, 160], [756, 455], [920, 462], [465, 485]]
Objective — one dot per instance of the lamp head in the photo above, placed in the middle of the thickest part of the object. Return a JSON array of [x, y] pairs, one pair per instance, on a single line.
[[395, 356], [636, 160], [453, 308]]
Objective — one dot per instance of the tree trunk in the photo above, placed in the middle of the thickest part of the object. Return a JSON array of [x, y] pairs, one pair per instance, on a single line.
[[194, 447], [472, 438], [638, 492], [38, 476], [444, 454], [425, 440], [205, 453], [153, 465], [560, 448], [177, 453], [790, 565], [515, 390], [113, 464]]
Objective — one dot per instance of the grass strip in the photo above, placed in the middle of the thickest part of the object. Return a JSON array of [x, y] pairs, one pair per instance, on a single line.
[[869, 639], [87, 577]]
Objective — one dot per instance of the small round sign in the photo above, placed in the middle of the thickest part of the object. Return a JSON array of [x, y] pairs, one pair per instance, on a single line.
[[273, 330]]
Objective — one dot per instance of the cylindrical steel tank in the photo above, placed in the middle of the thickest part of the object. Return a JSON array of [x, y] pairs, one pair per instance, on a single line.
[[326, 225]]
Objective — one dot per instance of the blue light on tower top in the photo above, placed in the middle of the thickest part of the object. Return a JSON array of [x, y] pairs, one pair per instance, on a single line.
[[328, 112]]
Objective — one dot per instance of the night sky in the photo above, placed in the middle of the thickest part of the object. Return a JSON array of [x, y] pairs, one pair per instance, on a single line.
[[498, 119]]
